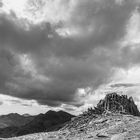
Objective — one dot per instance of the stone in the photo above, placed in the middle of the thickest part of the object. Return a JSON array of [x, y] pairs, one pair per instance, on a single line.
[[115, 103]]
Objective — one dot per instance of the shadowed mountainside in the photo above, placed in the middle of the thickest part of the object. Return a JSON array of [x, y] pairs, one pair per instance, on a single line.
[[51, 121], [14, 119]]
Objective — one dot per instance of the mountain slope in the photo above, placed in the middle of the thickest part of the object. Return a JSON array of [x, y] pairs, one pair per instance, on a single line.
[[51, 121], [105, 127], [14, 119]]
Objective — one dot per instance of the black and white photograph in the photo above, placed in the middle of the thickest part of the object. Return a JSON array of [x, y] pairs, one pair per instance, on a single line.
[[69, 69]]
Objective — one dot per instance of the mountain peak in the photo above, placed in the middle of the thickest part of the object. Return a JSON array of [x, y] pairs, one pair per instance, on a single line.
[[114, 102], [50, 112]]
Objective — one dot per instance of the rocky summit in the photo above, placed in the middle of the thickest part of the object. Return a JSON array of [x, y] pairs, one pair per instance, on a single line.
[[116, 103]]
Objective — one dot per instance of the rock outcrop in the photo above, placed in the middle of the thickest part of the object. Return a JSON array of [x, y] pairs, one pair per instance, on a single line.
[[112, 115], [116, 103]]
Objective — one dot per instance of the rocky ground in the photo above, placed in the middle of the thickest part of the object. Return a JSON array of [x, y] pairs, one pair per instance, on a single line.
[[103, 127], [116, 117]]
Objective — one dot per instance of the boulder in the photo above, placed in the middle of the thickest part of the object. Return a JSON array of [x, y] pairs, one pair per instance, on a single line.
[[116, 103]]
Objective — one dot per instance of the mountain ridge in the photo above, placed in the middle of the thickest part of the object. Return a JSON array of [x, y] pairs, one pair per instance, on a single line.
[[14, 119], [50, 121]]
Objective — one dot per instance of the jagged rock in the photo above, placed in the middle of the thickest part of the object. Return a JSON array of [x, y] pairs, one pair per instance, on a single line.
[[107, 114], [116, 103]]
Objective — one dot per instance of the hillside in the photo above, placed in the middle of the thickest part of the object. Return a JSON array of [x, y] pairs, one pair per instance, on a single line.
[[116, 117], [14, 119], [51, 121], [110, 127]]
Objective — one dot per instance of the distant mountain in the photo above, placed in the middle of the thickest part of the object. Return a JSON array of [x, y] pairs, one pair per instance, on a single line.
[[14, 119], [51, 121]]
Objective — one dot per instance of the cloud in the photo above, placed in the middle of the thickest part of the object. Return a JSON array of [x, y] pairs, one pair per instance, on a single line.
[[1, 103], [49, 62], [127, 85]]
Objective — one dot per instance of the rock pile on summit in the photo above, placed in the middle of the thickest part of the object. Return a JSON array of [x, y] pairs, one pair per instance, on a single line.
[[116, 103]]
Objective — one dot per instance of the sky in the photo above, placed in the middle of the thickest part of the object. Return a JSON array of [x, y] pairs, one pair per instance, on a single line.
[[67, 54]]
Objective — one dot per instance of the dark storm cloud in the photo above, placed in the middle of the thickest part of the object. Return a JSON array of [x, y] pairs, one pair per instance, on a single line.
[[1, 3], [7, 63], [127, 85], [101, 23], [1, 103], [14, 36], [68, 62]]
